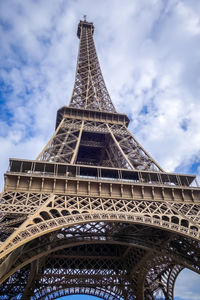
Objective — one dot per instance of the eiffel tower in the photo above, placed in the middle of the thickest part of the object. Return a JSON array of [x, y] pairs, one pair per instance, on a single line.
[[94, 213]]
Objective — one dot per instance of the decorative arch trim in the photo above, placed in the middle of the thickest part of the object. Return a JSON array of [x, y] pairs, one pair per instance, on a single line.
[[34, 230]]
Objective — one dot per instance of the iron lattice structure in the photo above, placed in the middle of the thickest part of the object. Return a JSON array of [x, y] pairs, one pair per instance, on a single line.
[[94, 213]]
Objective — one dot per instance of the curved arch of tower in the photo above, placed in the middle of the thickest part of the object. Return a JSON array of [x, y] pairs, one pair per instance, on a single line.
[[94, 214]]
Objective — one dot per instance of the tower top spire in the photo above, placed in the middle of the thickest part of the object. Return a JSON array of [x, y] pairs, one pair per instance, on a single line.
[[89, 91], [84, 24]]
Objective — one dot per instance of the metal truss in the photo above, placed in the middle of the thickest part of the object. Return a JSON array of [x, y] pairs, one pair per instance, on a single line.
[[94, 213], [73, 136], [89, 89], [102, 255]]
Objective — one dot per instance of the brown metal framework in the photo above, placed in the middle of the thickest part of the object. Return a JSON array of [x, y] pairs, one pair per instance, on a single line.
[[94, 213]]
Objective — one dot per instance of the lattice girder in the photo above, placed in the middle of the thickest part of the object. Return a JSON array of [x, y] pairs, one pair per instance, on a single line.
[[159, 278], [118, 147], [89, 89], [95, 232], [60, 210], [117, 232]]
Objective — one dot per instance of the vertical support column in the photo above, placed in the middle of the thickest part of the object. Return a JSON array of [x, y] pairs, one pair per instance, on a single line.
[[120, 149], [77, 144], [50, 141], [29, 289]]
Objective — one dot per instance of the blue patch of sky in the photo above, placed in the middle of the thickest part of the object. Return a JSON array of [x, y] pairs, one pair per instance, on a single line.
[[5, 92], [184, 124], [150, 108], [7, 107], [45, 40], [5, 24], [193, 167], [144, 110], [27, 91], [189, 169], [155, 30], [4, 89], [20, 53]]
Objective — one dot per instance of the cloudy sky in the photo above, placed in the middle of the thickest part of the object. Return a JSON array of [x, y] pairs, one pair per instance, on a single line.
[[150, 58]]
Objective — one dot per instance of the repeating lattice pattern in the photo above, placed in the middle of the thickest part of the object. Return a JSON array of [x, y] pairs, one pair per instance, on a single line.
[[135, 155], [117, 270], [60, 211], [63, 144], [114, 143], [89, 89]]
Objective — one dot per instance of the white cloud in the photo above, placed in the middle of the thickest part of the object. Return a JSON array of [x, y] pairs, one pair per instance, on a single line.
[[149, 54]]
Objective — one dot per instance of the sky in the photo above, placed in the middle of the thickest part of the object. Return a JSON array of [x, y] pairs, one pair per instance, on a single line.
[[150, 59]]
